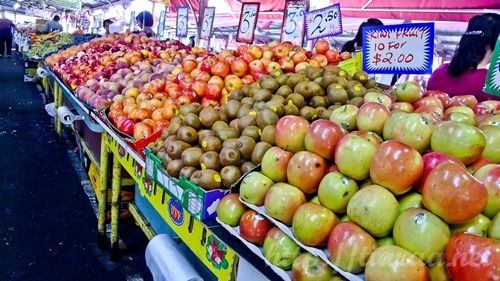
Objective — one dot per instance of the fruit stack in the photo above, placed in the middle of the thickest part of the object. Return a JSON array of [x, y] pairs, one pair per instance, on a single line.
[[45, 44], [403, 184]]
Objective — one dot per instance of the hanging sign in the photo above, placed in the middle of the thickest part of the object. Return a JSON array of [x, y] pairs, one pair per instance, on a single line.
[[248, 22], [324, 22], [208, 22], [73, 5], [182, 21], [493, 78], [398, 49], [293, 22], [161, 24]]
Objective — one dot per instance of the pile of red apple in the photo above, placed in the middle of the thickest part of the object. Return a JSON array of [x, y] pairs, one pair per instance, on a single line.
[[387, 189]]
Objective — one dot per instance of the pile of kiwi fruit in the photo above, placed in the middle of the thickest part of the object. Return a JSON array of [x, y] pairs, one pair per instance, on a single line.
[[215, 147]]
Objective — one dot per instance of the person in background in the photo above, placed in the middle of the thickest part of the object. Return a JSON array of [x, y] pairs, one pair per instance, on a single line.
[[192, 42], [467, 70], [6, 27], [106, 24], [52, 25], [357, 43], [145, 21]]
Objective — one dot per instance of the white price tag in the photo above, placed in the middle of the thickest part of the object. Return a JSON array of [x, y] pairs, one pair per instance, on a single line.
[[182, 21], [248, 22], [208, 22], [293, 22], [323, 22]]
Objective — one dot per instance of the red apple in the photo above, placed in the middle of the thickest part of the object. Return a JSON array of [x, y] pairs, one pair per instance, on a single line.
[[431, 160], [332, 56], [371, 117], [282, 200], [321, 46], [489, 175], [239, 67], [290, 132], [254, 227], [256, 66], [321, 59], [286, 64], [305, 171], [275, 162], [299, 57], [466, 100], [322, 137], [256, 51], [402, 106]]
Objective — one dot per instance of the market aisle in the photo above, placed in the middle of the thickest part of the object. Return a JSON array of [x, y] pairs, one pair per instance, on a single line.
[[46, 222]]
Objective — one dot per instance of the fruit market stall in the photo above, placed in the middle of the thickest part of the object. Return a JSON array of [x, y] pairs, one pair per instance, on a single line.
[[282, 159]]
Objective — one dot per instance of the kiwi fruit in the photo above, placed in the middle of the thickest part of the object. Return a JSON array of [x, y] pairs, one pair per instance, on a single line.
[[327, 80], [296, 99], [342, 81], [308, 113], [294, 79], [244, 110], [248, 100], [260, 105], [263, 95], [191, 156], [325, 114], [282, 79], [219, 125], [173, 127], [337, 94], [237, 95], [165, 160], [187, 134], [156, 146], [253, 90], [195, 177], [278, 99], [208, 116], [245, 146], [343, 73], [205, 133], [291, 109], [230, 175], [266, 117], [244, 89], [252, 131], [175, 148], [192, 120], [231, 108], [247, 167], [259, 151], [267, 134], [174, 167], [284, 91], [209, 179], [308, 89], [360, 76], [313, 73], [318, 101], [317, 80], [187, 172], [222, 116], [210, 160], [168, 140], [229, 156], [211, 143], [370, 83], [234, 124], [165, 133], [277, 106], [227, 133], [186, 109], [230, 143], [161, 153], [269, 84], [355, 91], [334, 106], [358, 101], [249, 120]]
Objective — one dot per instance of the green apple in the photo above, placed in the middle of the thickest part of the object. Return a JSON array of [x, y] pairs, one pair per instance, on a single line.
[[353, 156], [422, 233], [375, 209], [489, 175], [409, 91], [312, 224], [230, 209], [307, 267], [492, 149], [385, 241], [282, 200], [438, 272], [254, 187], [494, 229], [479, 225], [410, 200], [280, 249], [315, 200], [335, 191]]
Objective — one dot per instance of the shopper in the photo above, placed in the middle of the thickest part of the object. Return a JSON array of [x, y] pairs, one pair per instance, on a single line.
[[145, 21], [52, 25], [105, 25], [6, 27], [357, 43], [466, 73]]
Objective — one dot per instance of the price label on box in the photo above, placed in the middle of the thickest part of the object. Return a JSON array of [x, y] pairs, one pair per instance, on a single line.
[[323, 22], [398, 49], [493, 79], [182, 21], [293, 22], [248, 22], [208, 22]]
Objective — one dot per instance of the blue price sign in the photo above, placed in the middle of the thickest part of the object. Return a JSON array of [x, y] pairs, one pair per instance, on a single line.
[[398, 49], [324, 22], [293, 22], [182, 21]]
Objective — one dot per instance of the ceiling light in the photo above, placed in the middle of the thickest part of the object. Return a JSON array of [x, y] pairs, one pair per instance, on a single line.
[[16, 6]]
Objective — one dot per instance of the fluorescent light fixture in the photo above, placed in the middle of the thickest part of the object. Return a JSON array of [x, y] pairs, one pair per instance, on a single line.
[[16, 6]]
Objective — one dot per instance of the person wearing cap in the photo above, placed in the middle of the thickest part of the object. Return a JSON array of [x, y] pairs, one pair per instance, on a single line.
[[467, 70], [145, 21]]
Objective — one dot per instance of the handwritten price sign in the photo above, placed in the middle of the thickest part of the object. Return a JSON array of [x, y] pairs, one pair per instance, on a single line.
[[293, 22], [493, 79], [248, 22], [208, 22], [323, 22], [398, 49], [182, 21], [161, 24]]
